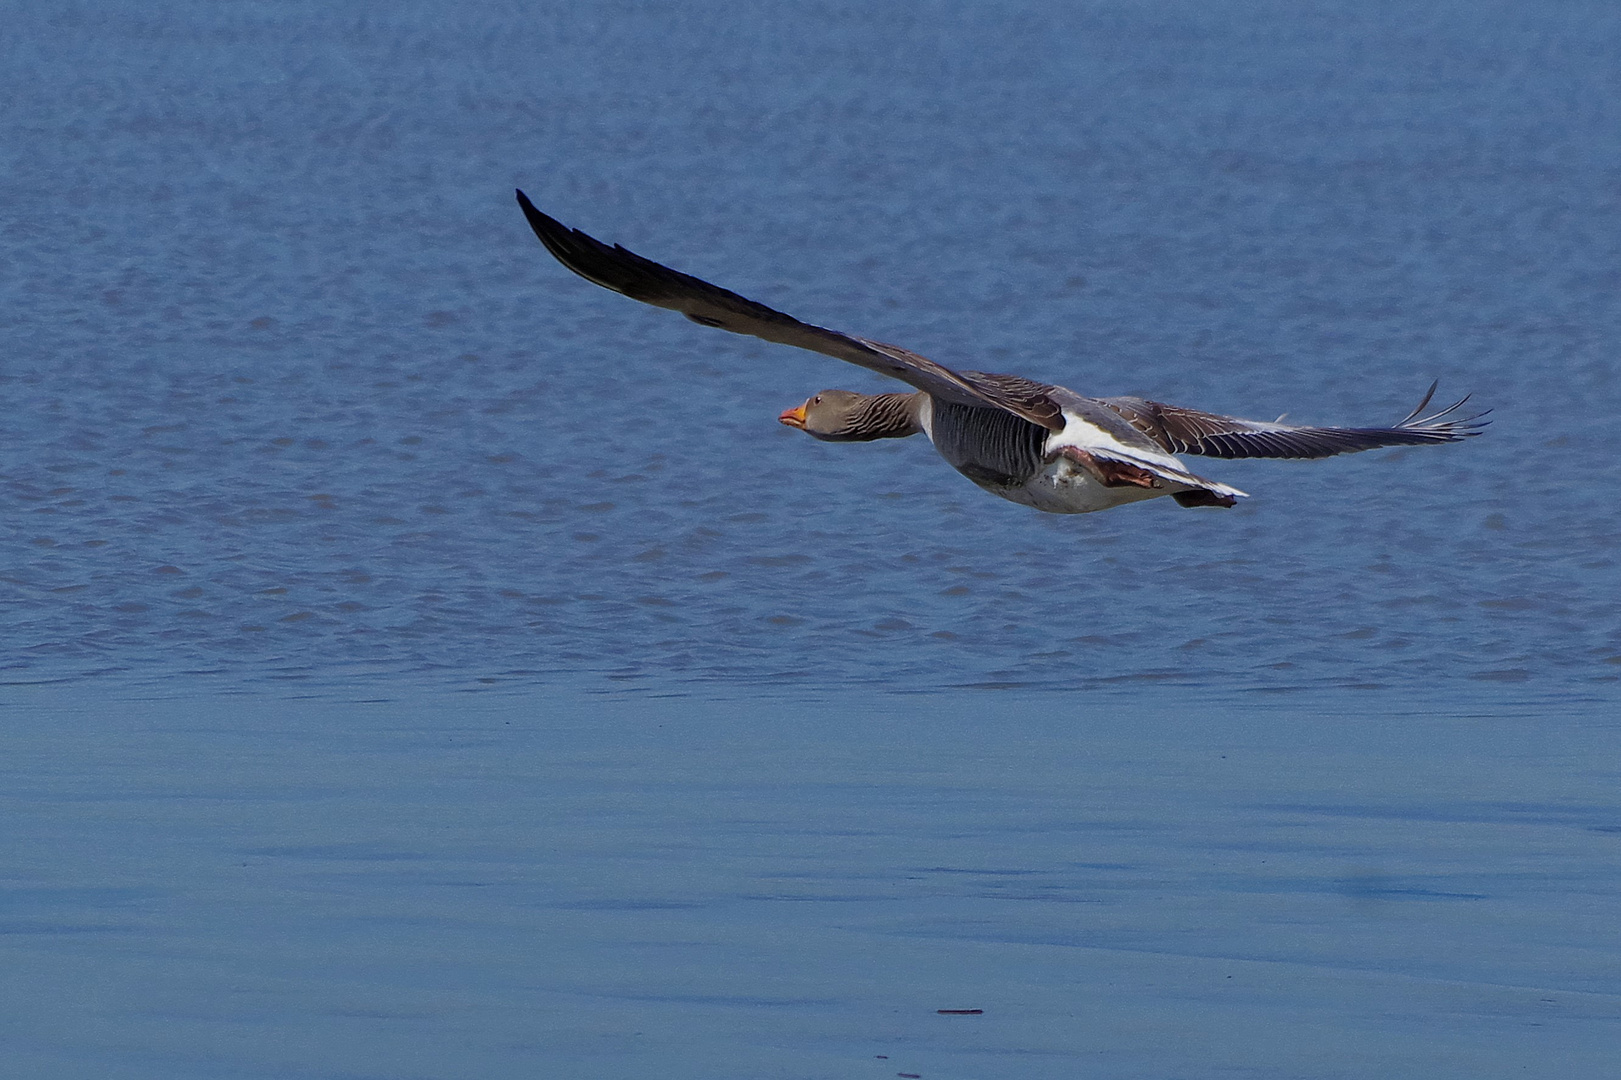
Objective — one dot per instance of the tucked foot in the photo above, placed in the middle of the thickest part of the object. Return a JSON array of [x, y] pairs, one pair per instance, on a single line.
[[1110, 473], [1201, 497]]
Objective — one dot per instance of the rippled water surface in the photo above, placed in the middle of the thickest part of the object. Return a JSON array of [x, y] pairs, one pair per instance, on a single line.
[[295, 405], [291, 391]]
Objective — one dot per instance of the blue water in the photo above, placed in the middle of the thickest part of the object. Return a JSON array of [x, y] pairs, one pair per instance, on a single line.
[[550, 886], [296, 406], [293, 393]]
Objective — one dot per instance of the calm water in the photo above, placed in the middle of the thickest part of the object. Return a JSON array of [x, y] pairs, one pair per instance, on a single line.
[[296, 406], [547, 886]]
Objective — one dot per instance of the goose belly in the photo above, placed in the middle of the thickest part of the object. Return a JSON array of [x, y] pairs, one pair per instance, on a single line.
[[1063, 487]]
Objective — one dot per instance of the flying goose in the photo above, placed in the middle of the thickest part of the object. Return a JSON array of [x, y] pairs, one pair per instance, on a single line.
[[1039, 445]]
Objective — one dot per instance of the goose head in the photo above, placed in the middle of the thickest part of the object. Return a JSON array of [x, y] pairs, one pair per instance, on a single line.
[[846, 416]]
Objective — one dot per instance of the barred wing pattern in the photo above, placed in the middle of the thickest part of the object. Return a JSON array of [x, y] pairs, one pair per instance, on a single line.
[[1188, 431]]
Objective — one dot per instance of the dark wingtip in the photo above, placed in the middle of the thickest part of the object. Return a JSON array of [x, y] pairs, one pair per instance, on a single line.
[[612, 268], [559, 239], [1436, 427], [1428, 394], [537, 220]]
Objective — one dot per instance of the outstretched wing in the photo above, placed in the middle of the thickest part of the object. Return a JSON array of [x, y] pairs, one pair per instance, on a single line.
[[1186, 431], [642, 279]]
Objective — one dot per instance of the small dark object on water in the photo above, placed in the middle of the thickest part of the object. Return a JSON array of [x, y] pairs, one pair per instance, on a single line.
[[960, 1012], [911, 1076]]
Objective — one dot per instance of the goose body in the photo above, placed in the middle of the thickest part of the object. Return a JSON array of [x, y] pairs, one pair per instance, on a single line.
[[1040, 445], [1095, 462]]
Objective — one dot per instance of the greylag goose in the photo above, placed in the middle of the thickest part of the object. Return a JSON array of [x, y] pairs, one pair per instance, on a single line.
[[1039, 445]]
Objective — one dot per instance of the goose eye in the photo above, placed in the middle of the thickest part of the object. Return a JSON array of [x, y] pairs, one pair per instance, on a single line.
[[817, 400]]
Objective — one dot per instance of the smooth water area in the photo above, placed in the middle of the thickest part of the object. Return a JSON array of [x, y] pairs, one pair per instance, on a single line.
[[421, 662], [535, 886]]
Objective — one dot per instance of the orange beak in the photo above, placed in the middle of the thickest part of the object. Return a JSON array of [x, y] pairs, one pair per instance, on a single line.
[[794, 417]]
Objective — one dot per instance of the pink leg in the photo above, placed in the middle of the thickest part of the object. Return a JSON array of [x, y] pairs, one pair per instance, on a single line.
[[1110, 473]]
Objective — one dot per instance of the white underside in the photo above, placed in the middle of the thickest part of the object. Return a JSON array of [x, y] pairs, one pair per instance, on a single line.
[[1066, 488]]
